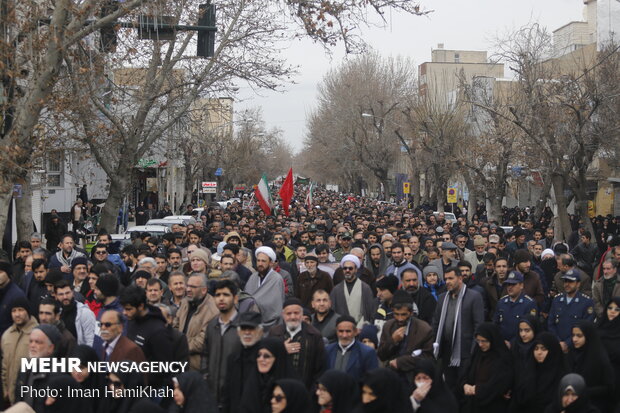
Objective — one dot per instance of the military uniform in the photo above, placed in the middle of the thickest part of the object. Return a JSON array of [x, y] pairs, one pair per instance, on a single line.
[[508, 313], [563, 315]]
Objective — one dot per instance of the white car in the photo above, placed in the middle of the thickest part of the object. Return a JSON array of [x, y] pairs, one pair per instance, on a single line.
[[170, 221], [154, 230], [447, 215]]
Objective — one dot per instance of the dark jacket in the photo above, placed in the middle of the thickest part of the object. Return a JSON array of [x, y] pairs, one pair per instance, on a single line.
[[426, 304], [218, 347], [312, 355], [472, 315], [419, 337], [368, 301], [362, 359], [306, 285], [239, 367], [7, 295]]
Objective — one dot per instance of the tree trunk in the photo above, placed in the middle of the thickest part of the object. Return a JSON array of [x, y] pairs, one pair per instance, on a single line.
[[495, 207], [23, 211], [118, 190], [562, 227], [188, 178], [542, 200], [416, 188], [5, 202], [581, 205]]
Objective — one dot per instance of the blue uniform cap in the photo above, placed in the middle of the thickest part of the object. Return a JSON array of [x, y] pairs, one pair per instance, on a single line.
[[571, 275], [514, 277]]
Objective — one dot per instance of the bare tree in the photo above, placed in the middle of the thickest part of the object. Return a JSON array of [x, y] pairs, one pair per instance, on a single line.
[[358, 105], [34, 57]]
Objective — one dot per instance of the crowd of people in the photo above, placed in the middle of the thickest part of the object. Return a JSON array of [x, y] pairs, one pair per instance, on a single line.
[[348, 305]]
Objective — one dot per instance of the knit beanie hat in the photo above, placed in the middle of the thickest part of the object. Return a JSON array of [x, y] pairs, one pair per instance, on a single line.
[[21, 302]]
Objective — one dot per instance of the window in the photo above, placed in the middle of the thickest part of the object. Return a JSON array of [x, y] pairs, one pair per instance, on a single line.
[[54, 166], [457, 58]]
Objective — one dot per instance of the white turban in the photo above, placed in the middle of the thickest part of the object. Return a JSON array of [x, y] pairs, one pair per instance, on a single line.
[[546, 252], [267, 251], [351, 258]]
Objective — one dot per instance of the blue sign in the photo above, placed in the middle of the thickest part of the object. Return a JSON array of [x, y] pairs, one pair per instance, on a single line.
[[219, 172]]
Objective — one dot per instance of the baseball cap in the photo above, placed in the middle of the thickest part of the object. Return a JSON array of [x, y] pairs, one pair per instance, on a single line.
[[346, 235], [571, 275], [514, 277]]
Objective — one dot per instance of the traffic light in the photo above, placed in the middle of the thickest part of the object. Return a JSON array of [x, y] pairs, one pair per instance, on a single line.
[[108, 32], [206, 38]]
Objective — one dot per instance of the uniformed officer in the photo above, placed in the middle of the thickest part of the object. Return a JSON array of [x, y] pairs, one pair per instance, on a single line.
[[512, 307], [568, 308]]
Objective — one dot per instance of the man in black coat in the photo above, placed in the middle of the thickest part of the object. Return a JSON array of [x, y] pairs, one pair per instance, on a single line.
[[240, 365], [304, 343], [455, 324], [422, 298], [54, 232], [146, 326]]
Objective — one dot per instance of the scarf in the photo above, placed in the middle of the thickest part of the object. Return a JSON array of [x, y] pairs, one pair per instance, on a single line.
[[354, 300], [67, 262], [455, 357]]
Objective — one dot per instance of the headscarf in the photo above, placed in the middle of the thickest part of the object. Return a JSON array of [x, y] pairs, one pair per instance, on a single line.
[[87, 354], [390, 392], [282, 367], [520, 350], [609, 331], [64, 403], [438, 399], [343, 389], [198, 398], [297, 396], [577, 384]]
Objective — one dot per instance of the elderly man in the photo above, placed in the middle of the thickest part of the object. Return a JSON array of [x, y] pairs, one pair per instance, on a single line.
[[304, 343], [195, 312], [311, 280], [447, 259], [348, 354], [267, 286], [353, 297], [114, 346], [42, 344], [240, 365]]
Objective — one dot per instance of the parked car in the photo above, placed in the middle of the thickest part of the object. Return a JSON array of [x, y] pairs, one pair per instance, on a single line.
[[447, 215], [171, 220], [154, 230]]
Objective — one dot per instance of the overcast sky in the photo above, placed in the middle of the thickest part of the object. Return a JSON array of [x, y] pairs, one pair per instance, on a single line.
[[458, 24]]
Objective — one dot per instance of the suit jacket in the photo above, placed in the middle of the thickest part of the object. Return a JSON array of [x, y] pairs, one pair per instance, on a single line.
[[362, 359], [125, 349], [313, 351], [419, 337], [472, 315]]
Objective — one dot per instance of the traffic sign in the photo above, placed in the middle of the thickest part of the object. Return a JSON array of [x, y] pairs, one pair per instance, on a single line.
[[452, 195], [406, 188], [209, 187], [219, 172]]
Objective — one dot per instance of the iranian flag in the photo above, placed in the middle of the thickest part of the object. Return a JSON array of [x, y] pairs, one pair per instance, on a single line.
[[263, 195], [309, 196], [286, 192]]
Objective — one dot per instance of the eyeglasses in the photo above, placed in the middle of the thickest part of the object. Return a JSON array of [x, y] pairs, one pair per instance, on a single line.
[[100, 252], [348, 268], [106, 324], [194, 286], [408, 254], [278, 397], [614, 309], [265, 356]]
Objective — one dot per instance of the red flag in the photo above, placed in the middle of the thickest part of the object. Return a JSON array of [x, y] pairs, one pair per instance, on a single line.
[[286, 191]]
